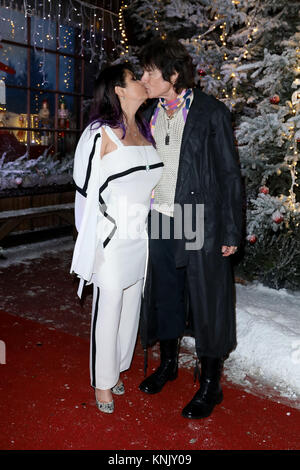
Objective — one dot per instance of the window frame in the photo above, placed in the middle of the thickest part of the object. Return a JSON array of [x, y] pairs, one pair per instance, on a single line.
[[79, 85]]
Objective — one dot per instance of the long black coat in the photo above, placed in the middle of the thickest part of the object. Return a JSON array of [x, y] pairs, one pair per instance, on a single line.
[[208, 174]]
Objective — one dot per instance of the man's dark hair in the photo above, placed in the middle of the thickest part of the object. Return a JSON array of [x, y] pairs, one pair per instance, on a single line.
[[169, 56]]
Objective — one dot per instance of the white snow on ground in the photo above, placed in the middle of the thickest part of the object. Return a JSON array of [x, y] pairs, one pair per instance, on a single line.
[[23, 253], [267, 357], [268, 332]]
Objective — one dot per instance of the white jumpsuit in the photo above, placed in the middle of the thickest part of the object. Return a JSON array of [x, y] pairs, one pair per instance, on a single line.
[[117, 251]]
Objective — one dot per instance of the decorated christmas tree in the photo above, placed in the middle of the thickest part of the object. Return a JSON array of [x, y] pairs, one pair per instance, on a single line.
[[247, 54]]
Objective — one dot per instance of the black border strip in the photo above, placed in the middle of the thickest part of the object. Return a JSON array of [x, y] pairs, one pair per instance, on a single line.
[[89, 168], [127, 172], [103, 206]]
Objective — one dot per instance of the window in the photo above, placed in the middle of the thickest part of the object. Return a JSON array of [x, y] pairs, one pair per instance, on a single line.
[[44, 78]]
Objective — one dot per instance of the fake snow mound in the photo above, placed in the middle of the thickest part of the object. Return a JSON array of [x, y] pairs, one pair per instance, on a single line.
[[26, 253], [268, 334]]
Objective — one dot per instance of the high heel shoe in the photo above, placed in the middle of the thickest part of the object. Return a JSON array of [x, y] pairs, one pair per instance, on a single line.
[[118, 389], [107, 407]]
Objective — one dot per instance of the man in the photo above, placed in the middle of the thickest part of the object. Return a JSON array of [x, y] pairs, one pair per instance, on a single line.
[[193, 134]]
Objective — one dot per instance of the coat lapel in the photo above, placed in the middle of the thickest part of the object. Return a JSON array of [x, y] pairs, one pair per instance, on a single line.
[[195, 118]]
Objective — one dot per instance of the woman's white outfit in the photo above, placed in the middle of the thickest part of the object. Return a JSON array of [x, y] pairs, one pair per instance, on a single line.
[[111, 208]]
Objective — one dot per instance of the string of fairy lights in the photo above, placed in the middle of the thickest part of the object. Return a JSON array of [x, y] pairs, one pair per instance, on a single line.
[[93, 26], [122, 29], [54, 25], [292, 159]]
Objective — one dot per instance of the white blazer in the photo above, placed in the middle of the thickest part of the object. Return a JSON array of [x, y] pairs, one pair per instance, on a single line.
[[89, 222]]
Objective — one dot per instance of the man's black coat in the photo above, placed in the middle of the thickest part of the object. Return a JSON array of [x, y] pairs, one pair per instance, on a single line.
[[208, 174]]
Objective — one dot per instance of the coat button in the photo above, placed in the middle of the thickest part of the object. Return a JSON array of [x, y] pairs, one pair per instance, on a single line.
[[192, 192]]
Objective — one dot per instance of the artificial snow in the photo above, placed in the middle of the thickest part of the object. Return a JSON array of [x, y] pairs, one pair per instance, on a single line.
[[268, 350], [26, 253], [267, 357]]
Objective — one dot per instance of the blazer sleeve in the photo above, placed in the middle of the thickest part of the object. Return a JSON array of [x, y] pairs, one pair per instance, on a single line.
[[87, 177], [79, 205], [228, 176], [84, 159]]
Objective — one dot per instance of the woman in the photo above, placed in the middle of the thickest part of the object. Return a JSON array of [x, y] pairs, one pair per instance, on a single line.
[[116, 168]]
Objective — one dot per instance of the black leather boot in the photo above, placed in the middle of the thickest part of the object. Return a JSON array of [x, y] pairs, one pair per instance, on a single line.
[[168, 369], [210, 392]]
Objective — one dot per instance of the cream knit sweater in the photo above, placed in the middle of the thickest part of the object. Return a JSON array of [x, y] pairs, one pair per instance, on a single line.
[[164, 192]]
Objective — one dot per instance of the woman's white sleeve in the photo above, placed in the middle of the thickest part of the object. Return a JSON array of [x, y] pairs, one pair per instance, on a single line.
[[80, 202]]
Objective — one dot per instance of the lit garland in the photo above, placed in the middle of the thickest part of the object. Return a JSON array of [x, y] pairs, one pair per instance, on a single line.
[[163, 34], [221, 23], [293, 159], [122, 29]]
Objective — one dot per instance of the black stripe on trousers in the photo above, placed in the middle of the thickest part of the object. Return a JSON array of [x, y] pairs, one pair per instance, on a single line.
[[93, 339]]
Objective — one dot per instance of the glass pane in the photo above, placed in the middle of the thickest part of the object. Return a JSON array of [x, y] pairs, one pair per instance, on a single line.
[[13, 142], [91, 70], [16, 104], [15, 59], [68, 119], [66, 73], [66, 39], [12, 25], [37, 102], [43, 33], [42, 118], [43, 70]]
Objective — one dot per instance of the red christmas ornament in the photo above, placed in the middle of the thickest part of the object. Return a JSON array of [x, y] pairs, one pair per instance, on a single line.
[[201, 72], [252, 239], [277, 217], [264, 190], [275, 99]]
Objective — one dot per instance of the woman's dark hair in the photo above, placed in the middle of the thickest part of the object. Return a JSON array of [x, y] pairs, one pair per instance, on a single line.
[[169, 56], [106, 107]]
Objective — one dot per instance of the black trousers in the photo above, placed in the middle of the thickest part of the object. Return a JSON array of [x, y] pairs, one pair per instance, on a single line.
[[168, 282]]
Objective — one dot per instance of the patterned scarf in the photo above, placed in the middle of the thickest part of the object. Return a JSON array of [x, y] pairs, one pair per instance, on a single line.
[[182, 101]]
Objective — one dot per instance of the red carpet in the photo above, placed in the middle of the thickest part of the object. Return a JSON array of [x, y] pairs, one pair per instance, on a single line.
[[47, 403]]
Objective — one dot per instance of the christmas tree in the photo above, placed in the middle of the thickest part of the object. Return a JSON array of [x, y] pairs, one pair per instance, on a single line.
[[247, 54]]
